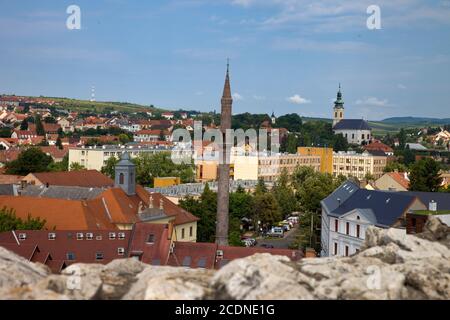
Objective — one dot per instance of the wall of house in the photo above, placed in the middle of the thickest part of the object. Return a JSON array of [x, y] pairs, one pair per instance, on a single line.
[[188, 228], [386, 182]]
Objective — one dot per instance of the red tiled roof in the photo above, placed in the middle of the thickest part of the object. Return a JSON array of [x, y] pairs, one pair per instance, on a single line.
[[399, 177], [377, 145], [83, 178], [10, 179], [59, 214], [193, 255]]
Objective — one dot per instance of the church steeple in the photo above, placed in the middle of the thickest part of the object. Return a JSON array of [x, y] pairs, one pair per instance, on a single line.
[[338, 110]]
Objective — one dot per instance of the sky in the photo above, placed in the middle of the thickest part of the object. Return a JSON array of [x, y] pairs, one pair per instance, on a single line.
[[286, 56]]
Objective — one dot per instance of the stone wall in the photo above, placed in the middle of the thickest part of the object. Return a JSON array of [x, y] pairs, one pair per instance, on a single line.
[[390, 266]]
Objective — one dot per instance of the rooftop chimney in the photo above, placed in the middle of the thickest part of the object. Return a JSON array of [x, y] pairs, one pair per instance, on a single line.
[[432, 206]]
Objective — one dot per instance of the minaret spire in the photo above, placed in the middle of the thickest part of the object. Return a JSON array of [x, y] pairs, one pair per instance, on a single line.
[[223, 195]]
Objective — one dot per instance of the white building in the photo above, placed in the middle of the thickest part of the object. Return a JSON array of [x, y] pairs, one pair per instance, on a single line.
[[356, 131], [358, 165], [94, 158], [350, 210]]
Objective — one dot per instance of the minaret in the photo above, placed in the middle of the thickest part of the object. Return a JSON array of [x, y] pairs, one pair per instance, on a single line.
[[338, 110], [223, 195]]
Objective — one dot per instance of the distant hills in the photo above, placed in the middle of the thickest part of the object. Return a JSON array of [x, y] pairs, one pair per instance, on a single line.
[[417, 120]]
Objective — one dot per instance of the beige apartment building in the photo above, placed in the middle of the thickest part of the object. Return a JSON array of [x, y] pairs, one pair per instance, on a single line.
[[270, 168], [94, 158], [352, 164], [253, 167]]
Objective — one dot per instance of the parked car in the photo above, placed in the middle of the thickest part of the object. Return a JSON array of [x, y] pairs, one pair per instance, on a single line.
[[249, 242], [276, 232]]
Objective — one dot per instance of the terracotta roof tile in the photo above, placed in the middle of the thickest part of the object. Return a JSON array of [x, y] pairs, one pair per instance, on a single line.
[[84, 178]]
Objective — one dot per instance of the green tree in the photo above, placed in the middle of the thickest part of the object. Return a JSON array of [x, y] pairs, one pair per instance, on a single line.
[[284, 194], [260, 187], [59, 143], [339, 143], [60, 166], [124, 139], [24, 124], [109, 168], [425, 176], [29, 160], [392, 166], [150, 166], [205, 209], [75, 166], [266, 210], [10, 222], [39, 127]]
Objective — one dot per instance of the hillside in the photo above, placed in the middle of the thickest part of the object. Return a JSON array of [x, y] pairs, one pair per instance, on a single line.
[[85, 105], [417, 121]]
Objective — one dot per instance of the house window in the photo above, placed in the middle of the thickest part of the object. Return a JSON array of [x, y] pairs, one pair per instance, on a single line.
[[80, 236], [191, 231], [121, 178], [120, 251], [347, 228], [151, 238], [358, 227], [335, 248], [121, 235], [99, 256], [336, 225], [362, 136], [112, 235], [70, 256], [51, 236], [89, 236], [346, 251], [182, 233], [353, 136]]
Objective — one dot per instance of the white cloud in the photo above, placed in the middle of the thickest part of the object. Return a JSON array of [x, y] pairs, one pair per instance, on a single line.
[[297, 99], [374, 102], [401, 86], [237, 97]]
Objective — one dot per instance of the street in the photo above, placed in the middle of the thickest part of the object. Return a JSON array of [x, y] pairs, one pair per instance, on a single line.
[[280, 243]]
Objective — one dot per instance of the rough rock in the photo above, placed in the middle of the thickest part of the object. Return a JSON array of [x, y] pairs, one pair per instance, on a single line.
[[391, 265], [16, 271]]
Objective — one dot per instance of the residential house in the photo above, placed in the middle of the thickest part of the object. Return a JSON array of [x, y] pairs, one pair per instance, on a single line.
[[168, 115], [350, 210], [151, 135], [393, 181]]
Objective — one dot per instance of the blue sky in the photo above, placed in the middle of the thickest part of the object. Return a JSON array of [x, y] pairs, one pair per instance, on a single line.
[[286, 55]]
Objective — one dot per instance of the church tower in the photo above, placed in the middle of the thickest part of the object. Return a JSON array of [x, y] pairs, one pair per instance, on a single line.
[[223, 194], [125, 175], [338, 110]]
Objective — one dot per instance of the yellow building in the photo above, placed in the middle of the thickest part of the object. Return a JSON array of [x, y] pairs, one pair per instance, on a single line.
[[325, 154], [162, 182]]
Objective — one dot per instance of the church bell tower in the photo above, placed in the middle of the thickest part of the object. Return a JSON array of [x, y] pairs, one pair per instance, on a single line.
[[338, 110]]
